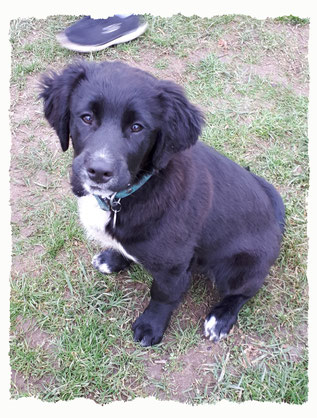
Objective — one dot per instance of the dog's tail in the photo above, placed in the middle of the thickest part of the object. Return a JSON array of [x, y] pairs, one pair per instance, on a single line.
[[276, 199]]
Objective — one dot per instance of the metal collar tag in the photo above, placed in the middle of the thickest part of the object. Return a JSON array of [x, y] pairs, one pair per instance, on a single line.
[[113, 203]]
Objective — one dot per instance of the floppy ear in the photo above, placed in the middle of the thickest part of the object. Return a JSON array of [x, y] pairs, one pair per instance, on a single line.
[[181, 123], [56, 91]]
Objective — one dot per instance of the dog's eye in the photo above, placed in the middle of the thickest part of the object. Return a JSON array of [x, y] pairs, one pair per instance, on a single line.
[[136, 127], [87, 119]]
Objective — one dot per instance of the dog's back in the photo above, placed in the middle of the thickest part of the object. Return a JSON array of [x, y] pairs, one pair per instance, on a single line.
[[277, 202]]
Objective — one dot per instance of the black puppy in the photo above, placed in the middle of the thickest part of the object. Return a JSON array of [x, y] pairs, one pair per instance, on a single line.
[[148, 192]]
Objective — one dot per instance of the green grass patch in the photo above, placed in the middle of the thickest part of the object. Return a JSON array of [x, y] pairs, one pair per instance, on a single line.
[[292, 20]]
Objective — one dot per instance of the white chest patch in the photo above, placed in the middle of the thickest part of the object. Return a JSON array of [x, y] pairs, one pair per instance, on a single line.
[[94, 221]]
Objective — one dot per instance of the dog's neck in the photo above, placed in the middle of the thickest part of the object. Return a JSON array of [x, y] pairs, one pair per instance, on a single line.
[[113, 202]]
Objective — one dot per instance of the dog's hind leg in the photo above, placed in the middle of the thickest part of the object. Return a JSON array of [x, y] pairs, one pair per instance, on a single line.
[[110, 261], [236, 288], [223, 316]]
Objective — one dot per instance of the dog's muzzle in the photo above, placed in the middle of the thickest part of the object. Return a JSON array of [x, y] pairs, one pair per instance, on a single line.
[[100, 171]]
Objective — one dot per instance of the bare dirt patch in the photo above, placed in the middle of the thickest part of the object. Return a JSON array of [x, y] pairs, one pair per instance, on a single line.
[[35, 338], [33, 335], [275, 65], [29, 384]]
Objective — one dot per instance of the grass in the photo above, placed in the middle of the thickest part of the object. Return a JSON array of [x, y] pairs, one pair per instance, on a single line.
[[80, 342]]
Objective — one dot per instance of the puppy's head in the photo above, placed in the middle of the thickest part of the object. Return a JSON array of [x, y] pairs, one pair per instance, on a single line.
[[122, 121]]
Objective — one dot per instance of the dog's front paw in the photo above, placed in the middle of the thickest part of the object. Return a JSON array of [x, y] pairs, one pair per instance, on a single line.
[[100, 264], [110, 261], [146, 332]]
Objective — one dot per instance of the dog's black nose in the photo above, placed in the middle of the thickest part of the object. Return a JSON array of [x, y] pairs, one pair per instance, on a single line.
[[99, 171]]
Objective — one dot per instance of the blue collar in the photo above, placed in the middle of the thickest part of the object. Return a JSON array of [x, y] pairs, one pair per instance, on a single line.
[[113, 203]]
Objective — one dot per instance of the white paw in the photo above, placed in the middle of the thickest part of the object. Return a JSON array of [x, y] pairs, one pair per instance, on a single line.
[[102, 267], [210, 330]]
